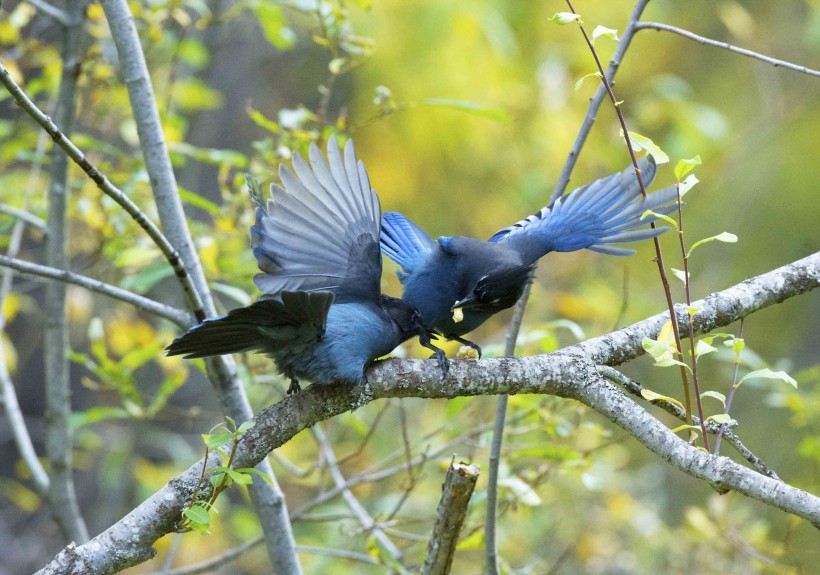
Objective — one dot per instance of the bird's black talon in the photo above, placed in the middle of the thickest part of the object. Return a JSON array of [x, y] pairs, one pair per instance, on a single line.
[[294, 387], [443, 363]]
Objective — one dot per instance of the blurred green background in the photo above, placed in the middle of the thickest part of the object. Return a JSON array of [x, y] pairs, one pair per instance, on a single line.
[[463, 112]]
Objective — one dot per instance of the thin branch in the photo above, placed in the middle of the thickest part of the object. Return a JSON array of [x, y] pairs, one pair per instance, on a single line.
[[635, 389], [177, 316], [107, 188], [658, 254], [367, 522], [598, 99], [27, 217], [268, 499], [59, 435], [8, 397], [60, 15], [731, 395], [490, 545], [452, 510], [570, 373], [726, 46]]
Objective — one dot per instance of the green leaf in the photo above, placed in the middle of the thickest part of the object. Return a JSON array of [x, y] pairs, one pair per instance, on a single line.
[[246, 425], [643, 143], [687, 184], [737, 344], [262, 121], [239, 477], [468, 107], [197, 514], [692, 310], [198, 201], [210, 155], [720, 418], [217, 439], [767, 373], [702, 348], [269, 17], [663, 217], [564, 18], [715, 395], [216, 479], [264, 476], [724, 237], [650, 395], [653, 347], [680, 274], [603, 31], [668, 362], [146, 277], [683, 167], [580, 81]]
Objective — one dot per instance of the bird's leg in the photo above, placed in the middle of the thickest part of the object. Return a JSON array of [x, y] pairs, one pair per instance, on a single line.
[[468, 343], [438, 354], [294, 386]]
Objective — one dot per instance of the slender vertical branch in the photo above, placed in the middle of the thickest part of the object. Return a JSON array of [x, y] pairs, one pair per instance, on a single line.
[[268, 499], [658, 255], [595, 102], [490, 545], [8, 395], [59, 435], [731, 394], [690, 323]]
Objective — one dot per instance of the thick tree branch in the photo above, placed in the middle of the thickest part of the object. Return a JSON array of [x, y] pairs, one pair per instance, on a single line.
[[726, 46], [458, 487], [178, 317], [570, 373]]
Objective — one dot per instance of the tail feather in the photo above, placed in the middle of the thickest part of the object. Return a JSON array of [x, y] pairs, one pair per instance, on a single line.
[[404, 242], [262, 326], [605, 212]]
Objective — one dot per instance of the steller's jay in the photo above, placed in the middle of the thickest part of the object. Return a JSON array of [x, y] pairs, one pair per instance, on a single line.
[[322, 316], [457, 283]]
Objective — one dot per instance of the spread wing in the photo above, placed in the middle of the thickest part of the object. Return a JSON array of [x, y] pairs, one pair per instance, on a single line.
[[320, 229]]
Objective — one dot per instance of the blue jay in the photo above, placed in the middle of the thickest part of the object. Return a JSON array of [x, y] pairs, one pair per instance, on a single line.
[[457, 283], [322, 316]]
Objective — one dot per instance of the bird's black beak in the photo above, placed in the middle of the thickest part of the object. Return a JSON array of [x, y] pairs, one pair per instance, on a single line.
[[466, 302]]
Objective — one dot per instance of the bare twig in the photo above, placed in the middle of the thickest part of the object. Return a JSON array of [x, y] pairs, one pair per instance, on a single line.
[[60, 15], [365, 520], [635, 389], [731, 395], [726, 46], [27, 217], [452, 510], [178, 317]]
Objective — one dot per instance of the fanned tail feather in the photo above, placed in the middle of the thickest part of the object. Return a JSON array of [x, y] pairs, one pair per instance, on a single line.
[[593, 217], [264, 325]]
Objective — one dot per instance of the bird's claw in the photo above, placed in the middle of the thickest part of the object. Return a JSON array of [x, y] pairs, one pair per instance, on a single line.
[[443, 363], [294, 387]]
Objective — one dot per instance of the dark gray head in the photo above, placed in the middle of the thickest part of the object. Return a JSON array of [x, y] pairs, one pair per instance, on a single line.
[[404, 315]]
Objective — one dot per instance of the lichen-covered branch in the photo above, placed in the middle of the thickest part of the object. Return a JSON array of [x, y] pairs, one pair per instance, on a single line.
[[570, 373]]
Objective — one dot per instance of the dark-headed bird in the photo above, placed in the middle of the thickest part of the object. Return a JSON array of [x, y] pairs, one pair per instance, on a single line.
[[322, 316], [457, 283]]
